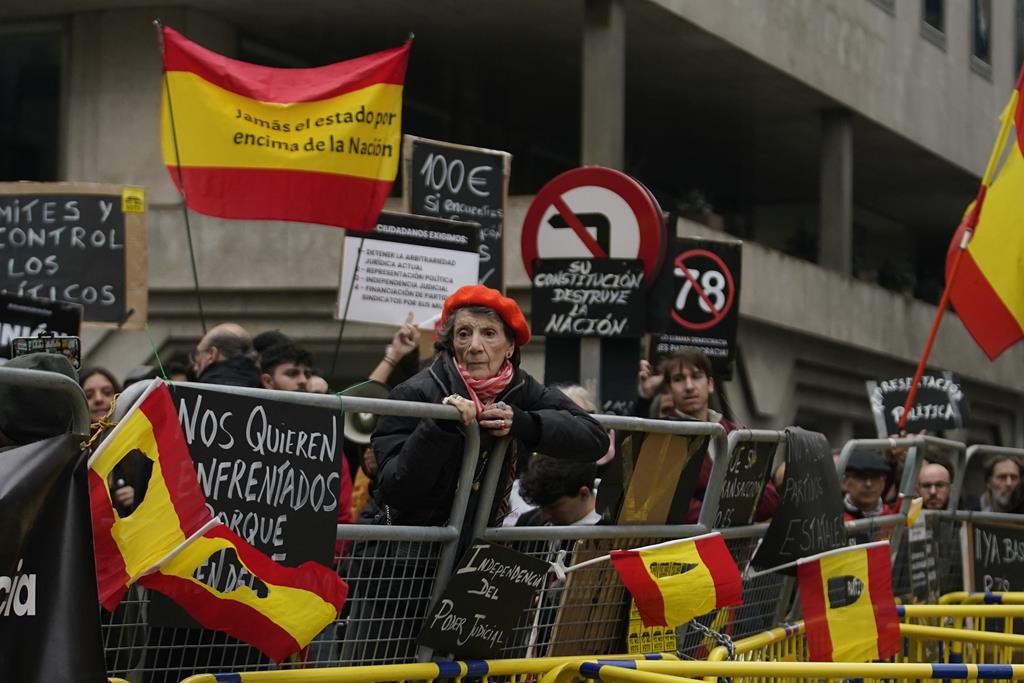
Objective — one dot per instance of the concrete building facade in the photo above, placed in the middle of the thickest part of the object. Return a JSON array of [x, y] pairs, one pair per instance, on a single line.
[[840, 139]]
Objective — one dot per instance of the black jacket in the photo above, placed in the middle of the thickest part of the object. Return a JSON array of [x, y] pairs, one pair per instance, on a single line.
[[237, 372], [418, 460]]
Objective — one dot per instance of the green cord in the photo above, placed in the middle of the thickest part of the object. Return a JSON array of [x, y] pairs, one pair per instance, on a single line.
[[152, 345]]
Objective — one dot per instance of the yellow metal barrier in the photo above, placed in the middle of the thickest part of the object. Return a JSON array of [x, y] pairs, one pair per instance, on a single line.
[[515, 670], [965, 598]]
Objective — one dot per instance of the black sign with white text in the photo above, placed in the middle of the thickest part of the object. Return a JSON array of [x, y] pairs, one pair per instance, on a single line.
[[997, 557], [27, 317], [939, 404], [483, 601], [464, 184], [587, 297], [745, 479]]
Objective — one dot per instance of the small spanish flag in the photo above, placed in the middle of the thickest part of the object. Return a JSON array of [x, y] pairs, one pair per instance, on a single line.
[[671, 583], [227, 585], [849, 610], [172, 511], [317, 145]]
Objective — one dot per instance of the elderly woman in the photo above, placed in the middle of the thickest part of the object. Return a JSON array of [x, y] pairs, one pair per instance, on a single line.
[[476, 369]]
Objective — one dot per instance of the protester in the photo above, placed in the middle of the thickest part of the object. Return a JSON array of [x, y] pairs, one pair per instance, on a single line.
[[687, 378], [933, 485], [1002, 477], [286, 367], [225, 355], [864, 480], [564, 492], [100, 387]]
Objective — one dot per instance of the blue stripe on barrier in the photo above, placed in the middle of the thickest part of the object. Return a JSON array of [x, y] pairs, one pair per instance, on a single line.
[[901, 610], [948, 671], [228, 678], [448, 670], [591, 669], [654, 656], [621, 663], [993, 599], [995, 671], [477, 667]]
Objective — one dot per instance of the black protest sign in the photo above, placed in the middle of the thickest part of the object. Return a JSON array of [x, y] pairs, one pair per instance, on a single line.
[[483, 602], [996, 556], [270, 470], [461, 183], [26, 317], [79, 243], [49, 618], [809, 516], [587, 297], [940, 403], [749, 467], [704, 304]]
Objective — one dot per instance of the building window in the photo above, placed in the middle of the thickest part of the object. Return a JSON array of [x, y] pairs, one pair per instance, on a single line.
[[981, 36], [30, 100], [1018, 22], [933, 21]]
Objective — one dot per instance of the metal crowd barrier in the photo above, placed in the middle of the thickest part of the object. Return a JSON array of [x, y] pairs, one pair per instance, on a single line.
[[65, 387]]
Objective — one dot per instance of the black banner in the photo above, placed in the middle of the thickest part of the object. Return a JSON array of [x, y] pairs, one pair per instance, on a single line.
[[27, 317], [745, 480], [705, 301], [483, 602], [997, 557], [463, 184], [49, 607], [65, 247], [587, 297], [809, 518], [940, 403]]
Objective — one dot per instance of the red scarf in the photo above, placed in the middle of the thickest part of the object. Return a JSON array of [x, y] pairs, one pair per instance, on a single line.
[[484, 391]]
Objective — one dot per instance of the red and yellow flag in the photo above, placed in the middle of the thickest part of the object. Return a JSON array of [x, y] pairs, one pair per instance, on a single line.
[[227, 585], [674, 582], [318, 145], [849, 610], [173, 509], [987, 289]]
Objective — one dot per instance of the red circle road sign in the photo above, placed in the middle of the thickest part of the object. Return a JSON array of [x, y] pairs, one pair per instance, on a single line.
[[698, 283], [624, 217]]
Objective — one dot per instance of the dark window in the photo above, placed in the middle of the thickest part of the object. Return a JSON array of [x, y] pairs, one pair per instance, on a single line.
[[1018, 22], [981, 30], [935, 14], [30, 66]]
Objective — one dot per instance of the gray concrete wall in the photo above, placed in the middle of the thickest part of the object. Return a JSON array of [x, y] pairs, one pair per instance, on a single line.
[[878, 64]]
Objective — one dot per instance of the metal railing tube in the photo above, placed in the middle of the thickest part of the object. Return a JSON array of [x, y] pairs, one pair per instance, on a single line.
[[59, 384]]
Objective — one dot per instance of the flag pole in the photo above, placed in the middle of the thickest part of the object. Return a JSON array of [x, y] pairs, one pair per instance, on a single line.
[[968, 225], [181, 181]]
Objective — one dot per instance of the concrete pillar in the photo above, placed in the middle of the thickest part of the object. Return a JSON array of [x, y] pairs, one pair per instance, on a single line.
[[835, 242], [603, 110]]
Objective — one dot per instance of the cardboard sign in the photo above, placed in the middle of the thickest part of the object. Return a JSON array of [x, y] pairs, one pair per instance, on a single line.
[[939, 404], [76, 242], [749, 468], [703, 276], [408, 263], [461, 183], [483, 601], [809, 517], [587, 298], [995, 557], [26, 317]]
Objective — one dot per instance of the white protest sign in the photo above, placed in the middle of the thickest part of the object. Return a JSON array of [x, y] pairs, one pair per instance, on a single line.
[[408, 263]]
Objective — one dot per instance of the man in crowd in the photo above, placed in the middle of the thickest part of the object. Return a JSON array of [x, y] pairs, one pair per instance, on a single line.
[[562, 490], [864, 482], [286, 367], [933, 485], [1002, 476], [225, 356]]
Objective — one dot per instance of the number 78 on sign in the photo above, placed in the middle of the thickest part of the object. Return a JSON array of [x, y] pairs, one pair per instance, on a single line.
[[706, 292]]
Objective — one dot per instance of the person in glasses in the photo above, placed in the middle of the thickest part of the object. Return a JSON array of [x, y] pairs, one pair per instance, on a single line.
[[933, 486]]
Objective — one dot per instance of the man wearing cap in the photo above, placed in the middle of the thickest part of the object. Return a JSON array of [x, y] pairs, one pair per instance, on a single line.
[[864, 482]]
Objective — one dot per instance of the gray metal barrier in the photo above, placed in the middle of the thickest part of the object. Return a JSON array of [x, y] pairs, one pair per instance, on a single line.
[[64, 387]]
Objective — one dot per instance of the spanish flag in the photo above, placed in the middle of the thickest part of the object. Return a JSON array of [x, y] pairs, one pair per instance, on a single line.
[[227, 585], [849, 610], [671, 583], [172, 511], [317, 145], [987, 287]]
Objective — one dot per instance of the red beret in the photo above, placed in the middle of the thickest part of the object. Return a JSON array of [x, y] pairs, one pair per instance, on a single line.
[[479, 295]]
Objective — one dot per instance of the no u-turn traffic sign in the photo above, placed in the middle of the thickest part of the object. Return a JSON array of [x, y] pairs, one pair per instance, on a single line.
[[594, 212]]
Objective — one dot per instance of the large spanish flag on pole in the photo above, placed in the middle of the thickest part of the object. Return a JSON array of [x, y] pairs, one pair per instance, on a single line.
[[849, 610], [172, 511], [988, 290], [317, 145], [673, 582]]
